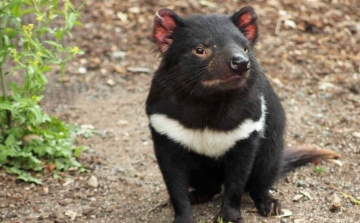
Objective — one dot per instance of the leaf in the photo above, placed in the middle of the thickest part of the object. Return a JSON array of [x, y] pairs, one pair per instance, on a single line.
[[71, 20], [71, 6], [40, 117], [22, 175], [14, 87], [53, 43], [16, 23], [14, 3], [3, 154], [78, 150], [15, 6], [50, 151], [59, 164], [59, 34], [11, 33], [10, 140], [56, 3], [27, 11], [30, 69], [28, 178], [6, 106], [78, 23], [45, 69], [6, 40]]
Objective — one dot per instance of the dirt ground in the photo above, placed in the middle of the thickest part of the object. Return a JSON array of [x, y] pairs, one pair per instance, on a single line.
[[310, 51]]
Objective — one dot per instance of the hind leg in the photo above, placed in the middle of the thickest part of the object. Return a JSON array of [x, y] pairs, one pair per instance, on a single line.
[[264, 202], [262, 179]]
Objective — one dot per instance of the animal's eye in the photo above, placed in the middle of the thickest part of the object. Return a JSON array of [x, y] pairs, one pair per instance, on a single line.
[[200, 50], [246, 50]]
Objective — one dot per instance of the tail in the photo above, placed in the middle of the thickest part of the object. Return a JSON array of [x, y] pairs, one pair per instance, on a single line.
[[293, 158]]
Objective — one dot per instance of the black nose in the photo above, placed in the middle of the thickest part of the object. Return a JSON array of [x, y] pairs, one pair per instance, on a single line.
[[240, 63]]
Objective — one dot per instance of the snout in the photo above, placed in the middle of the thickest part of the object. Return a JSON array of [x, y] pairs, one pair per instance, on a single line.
[[239, 63], [229, 69]]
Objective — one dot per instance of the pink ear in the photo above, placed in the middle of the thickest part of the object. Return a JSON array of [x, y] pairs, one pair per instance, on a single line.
[[245, 20], [165, 24]]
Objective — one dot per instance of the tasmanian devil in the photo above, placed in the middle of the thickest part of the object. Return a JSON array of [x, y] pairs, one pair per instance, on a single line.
[[214, 118]]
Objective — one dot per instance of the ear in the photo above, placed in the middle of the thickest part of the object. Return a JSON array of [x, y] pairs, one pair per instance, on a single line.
[[165, 23], [245, 20]]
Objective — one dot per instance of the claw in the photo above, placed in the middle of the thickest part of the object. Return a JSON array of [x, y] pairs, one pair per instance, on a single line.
[[269, 207], [277, 207]]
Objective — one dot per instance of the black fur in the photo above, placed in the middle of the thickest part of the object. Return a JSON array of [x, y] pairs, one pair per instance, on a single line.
[[253, 164]]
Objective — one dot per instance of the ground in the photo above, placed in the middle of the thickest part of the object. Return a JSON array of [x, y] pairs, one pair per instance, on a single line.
[[310, 50]]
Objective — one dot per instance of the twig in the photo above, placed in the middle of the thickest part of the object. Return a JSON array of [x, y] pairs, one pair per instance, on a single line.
[[354, 200], [160, 205]]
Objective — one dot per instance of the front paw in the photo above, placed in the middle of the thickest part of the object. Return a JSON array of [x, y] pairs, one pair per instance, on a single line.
[[184, 219], [269, 206], [229, 215]]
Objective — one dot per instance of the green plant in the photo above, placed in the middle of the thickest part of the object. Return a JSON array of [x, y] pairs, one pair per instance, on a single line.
[[219, 220], [319, 170], [30, 140]]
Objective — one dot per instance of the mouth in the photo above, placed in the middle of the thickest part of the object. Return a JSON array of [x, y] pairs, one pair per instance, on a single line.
[[235, 79]]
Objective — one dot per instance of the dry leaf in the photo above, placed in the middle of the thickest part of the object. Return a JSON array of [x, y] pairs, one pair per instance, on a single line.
[[335, 161], [306, 194], [139, 70], [87, 126], [26, 139], [71, 214], [298, 197], [285, 213], [50, 167], [68, 182], [289, 23], [356, 134]]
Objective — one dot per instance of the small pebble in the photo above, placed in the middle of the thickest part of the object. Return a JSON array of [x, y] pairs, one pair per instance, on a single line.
[[301, 183], [93, 182], [118, 55], [46, 190], [120, 169], [82, 70], [110, 82], [122, 123]]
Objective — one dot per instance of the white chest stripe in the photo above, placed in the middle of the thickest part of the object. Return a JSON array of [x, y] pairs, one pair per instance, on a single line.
[[207, 141]]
